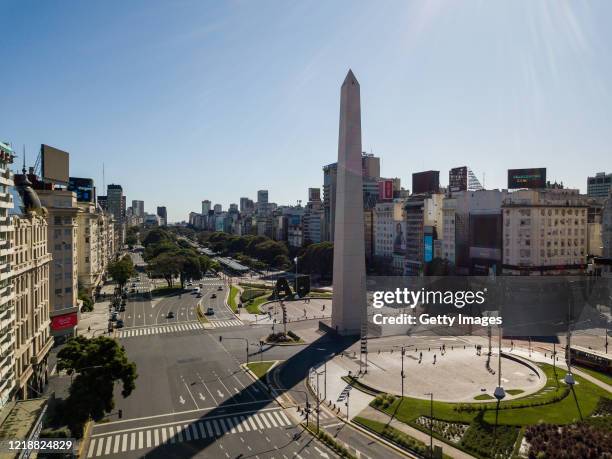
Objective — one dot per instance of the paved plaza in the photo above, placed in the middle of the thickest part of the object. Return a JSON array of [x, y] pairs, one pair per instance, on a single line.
[[458, 375]]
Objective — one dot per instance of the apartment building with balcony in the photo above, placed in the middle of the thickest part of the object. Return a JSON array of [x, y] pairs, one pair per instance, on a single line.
[[90, 250], [7, 337], [30, 264]]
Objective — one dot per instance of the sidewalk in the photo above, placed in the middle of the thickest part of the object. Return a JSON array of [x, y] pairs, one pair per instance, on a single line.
[[95, 323], [375, 415]]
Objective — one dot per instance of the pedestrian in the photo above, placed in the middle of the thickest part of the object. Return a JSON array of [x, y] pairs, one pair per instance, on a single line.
[[434, 362]]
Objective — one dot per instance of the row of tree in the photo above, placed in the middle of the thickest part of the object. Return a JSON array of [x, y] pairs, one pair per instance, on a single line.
[[249, 248], [169, 257]]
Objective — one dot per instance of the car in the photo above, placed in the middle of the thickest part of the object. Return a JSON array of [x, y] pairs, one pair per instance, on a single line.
[[219, 288], [114, 316], [119, 324], [199, 295], [210, 311], [214, 295], [170, 315]]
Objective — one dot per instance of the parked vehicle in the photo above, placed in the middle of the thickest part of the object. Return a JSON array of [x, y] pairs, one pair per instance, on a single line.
[[119, 324], [210, 311], [170, 315], [214, 295], [219, 288]]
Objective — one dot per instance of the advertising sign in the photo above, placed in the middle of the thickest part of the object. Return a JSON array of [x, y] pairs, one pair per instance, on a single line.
[[426, 182], [64, 321], [428, 248], [527, 178], [54, 164], [399, 238], [385, 190]]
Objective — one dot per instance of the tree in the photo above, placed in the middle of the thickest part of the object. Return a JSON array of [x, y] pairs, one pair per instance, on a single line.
[[121, 270], [317, 259], [165, 265], [189, 267], [98, 364]]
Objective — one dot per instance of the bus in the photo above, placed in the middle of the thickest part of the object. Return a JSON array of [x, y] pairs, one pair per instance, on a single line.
[[590, 358]]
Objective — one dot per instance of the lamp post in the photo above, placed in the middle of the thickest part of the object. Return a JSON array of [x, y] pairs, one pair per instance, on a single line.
[[243, 339], [296, 273], [430, 423], [324, 374]]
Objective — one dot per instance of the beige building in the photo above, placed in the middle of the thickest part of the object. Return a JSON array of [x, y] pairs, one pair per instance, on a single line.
[[7, 317], [31, 261], [90, 246], [63, 244], [544, 232]]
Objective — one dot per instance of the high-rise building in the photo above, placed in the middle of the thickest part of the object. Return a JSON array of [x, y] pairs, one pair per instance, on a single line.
[[206, 207], [7, 293], [600, 185], [138, 208], [262, 197], [370, 166], [423, 229], [246, 206], [162, 213], [218, 208], [116, 205], [31, 267]]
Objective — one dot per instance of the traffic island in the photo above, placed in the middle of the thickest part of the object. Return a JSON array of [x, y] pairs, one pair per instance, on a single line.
[[284, 339]]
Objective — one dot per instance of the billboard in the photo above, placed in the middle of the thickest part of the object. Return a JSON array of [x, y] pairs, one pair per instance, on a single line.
[[385, 190], [426, 182], [64, 321], [527, 178], [458, 179], [54, 164], [84, 189], [399, 238], [427, 248]]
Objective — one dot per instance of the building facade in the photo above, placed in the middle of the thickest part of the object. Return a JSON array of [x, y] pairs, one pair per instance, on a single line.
[[544, 232], [7, 294], [600, 185], [31, 267]]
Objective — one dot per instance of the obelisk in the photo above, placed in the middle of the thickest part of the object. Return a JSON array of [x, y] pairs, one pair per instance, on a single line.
[[349, 283]]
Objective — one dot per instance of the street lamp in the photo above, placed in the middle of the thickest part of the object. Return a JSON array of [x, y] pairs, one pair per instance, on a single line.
[[430, 424], [325, 373], [243, 339], [296, 274]]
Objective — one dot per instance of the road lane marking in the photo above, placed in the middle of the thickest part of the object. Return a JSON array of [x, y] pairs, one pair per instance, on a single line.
[[117, 441], [124, 443], [92, 445], [108, 445]]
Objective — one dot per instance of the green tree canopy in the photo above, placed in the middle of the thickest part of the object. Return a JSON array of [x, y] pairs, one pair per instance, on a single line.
[[121, 270], [98, 364]]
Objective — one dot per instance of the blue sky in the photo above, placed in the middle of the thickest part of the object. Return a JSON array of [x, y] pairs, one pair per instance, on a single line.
[[192, 100]]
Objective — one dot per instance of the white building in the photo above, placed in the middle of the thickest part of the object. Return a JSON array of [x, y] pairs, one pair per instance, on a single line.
[[544, 232], [7, 294]]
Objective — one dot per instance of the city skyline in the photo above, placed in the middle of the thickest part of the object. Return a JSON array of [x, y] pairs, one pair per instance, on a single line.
[[536, 93]]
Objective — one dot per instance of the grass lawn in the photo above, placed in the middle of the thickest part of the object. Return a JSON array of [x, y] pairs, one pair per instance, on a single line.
[[396, 436], [518, 412], [596, 374], [483, 397], [253, 307], [260, 368], [232, 298]]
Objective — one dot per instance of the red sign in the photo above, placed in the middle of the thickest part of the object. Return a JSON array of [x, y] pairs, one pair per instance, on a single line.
[[385, 190], [64, 321]]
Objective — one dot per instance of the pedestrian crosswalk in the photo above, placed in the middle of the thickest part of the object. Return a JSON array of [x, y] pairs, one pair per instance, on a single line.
[[206, 429], [224, 323], [159, 329]]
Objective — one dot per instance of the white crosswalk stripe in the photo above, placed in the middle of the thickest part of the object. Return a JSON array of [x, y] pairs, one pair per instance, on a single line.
[[148, 437], [225, 323], [161, 329]]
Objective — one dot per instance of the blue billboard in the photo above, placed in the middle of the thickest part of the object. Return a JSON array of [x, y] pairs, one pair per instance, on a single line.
[[428, 248]]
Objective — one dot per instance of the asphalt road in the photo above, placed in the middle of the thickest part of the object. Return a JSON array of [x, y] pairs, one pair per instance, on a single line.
[[192, 397]]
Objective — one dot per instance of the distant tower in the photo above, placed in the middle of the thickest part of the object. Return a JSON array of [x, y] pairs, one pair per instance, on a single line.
[[349, 300]]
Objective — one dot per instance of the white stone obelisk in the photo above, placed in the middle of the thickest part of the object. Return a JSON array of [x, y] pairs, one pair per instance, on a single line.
[[349, 300]]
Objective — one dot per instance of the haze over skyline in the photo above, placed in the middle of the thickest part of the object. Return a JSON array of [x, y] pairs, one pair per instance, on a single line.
[[185, 101]]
